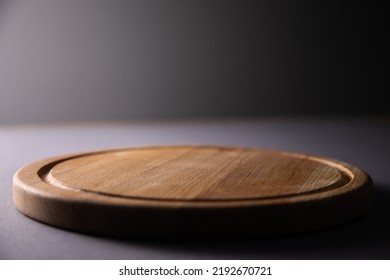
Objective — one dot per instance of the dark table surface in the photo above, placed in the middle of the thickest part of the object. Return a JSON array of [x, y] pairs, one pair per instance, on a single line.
[[363, 142]]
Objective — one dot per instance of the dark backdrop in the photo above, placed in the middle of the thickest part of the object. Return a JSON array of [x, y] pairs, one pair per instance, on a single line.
[[126, 60]]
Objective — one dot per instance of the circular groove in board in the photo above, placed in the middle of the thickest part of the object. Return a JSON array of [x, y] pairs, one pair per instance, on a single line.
[[192, 191]]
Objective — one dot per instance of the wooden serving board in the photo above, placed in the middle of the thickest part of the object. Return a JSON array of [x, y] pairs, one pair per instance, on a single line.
[[191, 191]]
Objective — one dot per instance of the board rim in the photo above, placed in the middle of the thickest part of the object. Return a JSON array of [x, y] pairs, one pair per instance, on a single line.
[[34, 190], [359, 180]]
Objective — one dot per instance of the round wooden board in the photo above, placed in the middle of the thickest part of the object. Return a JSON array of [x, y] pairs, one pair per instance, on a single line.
[[191, 191]]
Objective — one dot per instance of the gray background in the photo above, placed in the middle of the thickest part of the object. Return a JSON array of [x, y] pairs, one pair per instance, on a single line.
[[136, 60], [72, 61]]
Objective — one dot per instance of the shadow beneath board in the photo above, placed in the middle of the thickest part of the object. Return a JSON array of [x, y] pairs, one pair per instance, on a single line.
[[365, 238]]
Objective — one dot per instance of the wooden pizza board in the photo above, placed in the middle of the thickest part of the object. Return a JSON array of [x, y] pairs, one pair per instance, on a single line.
[[192, 191]]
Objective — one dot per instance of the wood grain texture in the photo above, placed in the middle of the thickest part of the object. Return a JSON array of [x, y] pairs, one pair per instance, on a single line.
[[192, 191]]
